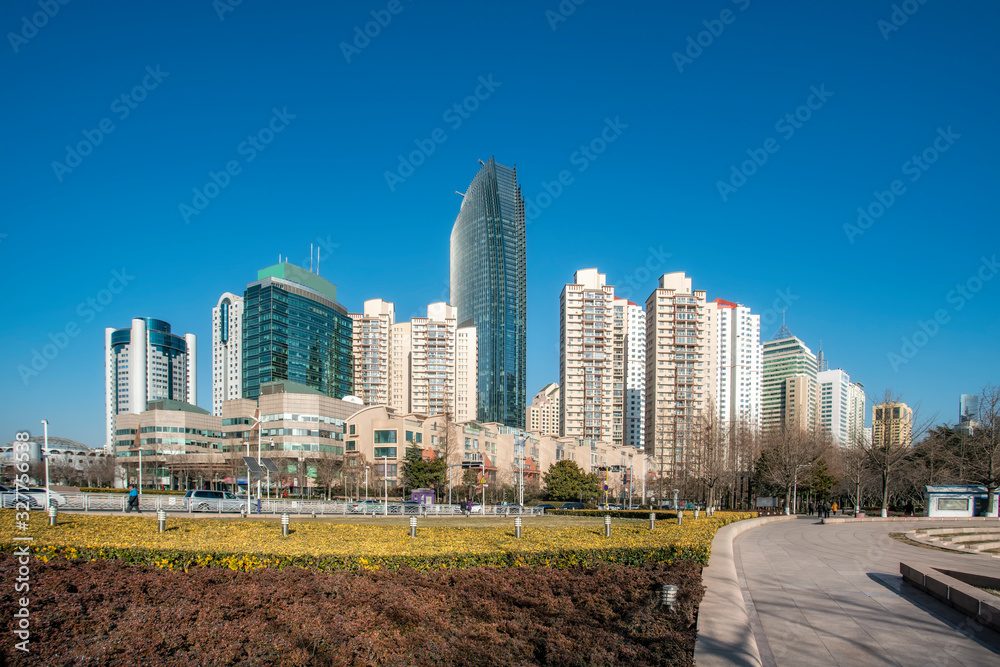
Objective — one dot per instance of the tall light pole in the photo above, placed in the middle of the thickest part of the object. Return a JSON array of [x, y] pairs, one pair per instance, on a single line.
[[795, 487], [385, 478], [45, 430], [366, 481]]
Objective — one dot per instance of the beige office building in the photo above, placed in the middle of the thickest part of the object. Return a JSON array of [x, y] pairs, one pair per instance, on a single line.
[[543, 413], [680, 377], [371, 347], [792, 395], [586, 357], [892, 425]]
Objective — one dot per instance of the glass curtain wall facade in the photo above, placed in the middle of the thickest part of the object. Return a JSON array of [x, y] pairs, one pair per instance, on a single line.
[[294, 329], [489, 289]]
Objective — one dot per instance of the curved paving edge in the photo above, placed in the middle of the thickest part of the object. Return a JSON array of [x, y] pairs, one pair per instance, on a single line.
[[906, 519], [725, 635]]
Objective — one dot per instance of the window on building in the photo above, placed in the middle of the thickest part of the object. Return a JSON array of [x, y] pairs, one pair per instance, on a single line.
[[385, 436]]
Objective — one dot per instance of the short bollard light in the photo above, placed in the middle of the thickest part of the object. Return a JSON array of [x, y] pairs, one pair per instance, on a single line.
[[696, 511], [284, 525], [680, 517], [652, 520], [53, 513], [668, 596], [161, 520], [607, 525], [413, 527], [517, 527]]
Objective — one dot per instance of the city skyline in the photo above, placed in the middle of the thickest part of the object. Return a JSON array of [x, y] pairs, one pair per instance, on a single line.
[[620, 151]]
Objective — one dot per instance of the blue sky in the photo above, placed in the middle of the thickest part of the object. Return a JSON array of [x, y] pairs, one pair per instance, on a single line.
[[687, 93]]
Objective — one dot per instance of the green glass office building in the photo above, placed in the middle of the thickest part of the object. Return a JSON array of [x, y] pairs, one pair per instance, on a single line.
[[294, 329], [489, 289]]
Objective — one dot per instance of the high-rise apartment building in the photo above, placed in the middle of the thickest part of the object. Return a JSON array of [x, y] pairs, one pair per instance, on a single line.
[[679, 375], [143, 363], [738, 363], [400, 352], [371, 349], [295, 329], [835, 405], [543, 414], [892, 425], [227, 351], [791, 392], [856, 431], [466, 374], [635, 375], [586, 358], [489, 289]]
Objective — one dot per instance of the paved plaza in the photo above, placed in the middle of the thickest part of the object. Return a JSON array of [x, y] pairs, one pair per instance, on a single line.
[[832, 595]]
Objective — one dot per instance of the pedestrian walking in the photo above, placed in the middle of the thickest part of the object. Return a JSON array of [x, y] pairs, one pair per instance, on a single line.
[[834, 507], [812, 508], [826, 509], [133, 499]]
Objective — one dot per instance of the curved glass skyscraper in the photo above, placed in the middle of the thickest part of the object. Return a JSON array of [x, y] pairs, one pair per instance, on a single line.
[[489, 287]]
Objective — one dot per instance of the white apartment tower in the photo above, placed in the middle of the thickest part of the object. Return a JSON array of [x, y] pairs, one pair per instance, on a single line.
[[434, 361], [371, 347], [542, 416], [586, 354], [630, 373], [835, 404], [399, 367], [738, 363], [227, 350], [856, 431], [143, 363], [679, 375], [466, 374]]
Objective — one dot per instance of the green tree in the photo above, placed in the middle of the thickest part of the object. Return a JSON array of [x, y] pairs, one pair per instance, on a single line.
[[566, 481], [419, 473]]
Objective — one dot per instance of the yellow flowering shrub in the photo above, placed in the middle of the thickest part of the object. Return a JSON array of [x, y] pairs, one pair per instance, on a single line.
[[248, 545]]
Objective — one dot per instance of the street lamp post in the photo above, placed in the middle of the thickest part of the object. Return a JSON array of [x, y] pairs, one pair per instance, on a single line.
[[366, 481], [385, 477], [45, 429], [795, 488]]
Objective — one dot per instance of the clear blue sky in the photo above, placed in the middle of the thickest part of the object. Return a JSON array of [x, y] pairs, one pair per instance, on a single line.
[[322, 178]]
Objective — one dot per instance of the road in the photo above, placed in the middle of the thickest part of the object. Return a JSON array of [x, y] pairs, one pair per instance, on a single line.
[[832, 595]]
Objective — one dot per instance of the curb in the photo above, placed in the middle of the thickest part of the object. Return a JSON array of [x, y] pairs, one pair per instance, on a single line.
[[725, 635], [904, 519]]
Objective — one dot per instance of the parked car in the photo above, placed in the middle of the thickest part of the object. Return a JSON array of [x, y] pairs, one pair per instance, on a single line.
[[365, 507], [545, 506], [210, 501], [10, 497], [571, 506], [55, 498]]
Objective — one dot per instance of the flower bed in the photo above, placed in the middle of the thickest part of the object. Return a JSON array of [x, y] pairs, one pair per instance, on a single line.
[[661, 515], [250, 545]]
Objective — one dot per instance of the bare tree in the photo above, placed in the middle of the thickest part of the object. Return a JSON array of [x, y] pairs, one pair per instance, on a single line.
[[329, 471], [786, 450], [712, 446], [984, 445]]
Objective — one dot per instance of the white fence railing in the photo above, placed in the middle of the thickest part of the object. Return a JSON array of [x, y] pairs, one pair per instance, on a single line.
[[150, 503]]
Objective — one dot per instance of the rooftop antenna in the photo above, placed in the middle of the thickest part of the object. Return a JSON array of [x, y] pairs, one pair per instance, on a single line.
[[460, 194], [317, 260], [482, 163], [783, 332], [310, 257]]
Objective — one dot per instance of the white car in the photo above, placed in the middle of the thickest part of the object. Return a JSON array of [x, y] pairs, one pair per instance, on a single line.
[[55, 498]]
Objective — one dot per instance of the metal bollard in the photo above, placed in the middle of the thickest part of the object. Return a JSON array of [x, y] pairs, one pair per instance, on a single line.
[[53, 513], [161, 519], [284, 525], [517, 527], [607, 525], [668, 596], [680, 517], [652, 520], [413, 527]]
